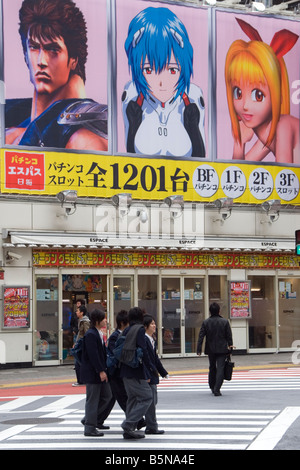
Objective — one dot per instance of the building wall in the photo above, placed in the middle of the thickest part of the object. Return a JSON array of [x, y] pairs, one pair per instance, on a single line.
[[243, 227]]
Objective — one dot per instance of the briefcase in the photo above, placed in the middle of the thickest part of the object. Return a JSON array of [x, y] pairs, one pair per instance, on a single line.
[[229, 365]]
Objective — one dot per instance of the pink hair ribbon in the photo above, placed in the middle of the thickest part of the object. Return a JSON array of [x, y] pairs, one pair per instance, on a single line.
[[282, 42]]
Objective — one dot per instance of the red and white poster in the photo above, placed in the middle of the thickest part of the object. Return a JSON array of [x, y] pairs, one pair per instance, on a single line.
[[240, 299], [16, 311]]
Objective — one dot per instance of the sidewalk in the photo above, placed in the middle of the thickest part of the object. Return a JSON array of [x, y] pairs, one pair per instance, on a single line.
[[175, 366]]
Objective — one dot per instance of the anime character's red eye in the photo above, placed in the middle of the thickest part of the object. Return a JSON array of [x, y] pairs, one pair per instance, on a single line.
[[237, 93], [147, 70], [257, 95]]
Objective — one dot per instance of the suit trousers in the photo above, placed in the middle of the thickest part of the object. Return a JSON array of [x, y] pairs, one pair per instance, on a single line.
[[118, 394], [150, 416], [139, 399], [98, 397], [216, 371]]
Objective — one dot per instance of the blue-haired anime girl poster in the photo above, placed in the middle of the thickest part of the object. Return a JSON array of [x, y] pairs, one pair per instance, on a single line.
[[162, 80], [258, 89]]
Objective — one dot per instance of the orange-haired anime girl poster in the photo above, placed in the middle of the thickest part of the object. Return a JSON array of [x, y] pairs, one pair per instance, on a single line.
[[258, 89]]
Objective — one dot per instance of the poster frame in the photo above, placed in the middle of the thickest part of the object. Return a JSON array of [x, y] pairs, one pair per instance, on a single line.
[[27, 311], [240, 311]]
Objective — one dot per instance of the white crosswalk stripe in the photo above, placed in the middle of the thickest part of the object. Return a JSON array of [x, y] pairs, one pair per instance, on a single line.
[[267, 379], [198, 429]]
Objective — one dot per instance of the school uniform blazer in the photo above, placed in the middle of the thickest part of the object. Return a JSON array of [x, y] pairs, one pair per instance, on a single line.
[[143, 370], [93, 357], [156, 367]]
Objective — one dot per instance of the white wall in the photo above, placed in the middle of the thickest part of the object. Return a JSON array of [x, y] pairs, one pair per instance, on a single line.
[[16, 215]]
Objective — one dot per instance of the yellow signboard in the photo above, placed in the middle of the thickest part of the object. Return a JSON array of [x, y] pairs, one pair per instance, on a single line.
[[101, 176]]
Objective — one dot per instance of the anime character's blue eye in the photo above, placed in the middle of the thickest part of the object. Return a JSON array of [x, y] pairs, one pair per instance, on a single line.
[[237, 93], [257, 95]]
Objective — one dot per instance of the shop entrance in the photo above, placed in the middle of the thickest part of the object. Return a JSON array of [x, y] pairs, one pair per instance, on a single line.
[[46, 342], [55, 320], [89, 288], [289, 312], [182, 314], [262, 325]]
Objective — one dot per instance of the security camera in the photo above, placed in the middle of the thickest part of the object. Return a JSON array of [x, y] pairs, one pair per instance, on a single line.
[[13, 256], [225, 214], [143, 215]]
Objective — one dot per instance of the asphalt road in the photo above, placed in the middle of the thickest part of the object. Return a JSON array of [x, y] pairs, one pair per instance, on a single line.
[[258, 409]]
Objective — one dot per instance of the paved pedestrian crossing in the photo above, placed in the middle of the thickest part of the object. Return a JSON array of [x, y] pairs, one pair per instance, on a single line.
[[53, 422], [56, 425]]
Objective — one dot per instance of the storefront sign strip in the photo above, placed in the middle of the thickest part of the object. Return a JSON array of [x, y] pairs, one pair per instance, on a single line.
[[104, 259]]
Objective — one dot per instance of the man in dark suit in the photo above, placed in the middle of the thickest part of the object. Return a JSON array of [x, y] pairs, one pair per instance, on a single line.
[[217, 332], [94, 374]]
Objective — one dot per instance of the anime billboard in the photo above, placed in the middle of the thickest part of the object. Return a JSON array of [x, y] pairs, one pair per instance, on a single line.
[[163, 140], [56, 86], [162, 63], [258, 89]]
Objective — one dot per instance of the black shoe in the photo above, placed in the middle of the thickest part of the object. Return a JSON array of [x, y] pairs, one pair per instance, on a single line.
[[94, 433], [99, 426], [133, 435], [141, 424], [217, 394], [154, 431]]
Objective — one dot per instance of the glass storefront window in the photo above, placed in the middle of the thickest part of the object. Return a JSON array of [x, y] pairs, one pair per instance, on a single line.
[[262, 325], [92, 289], [182, 314], [47, 337], [147, 294], [218, 292], [194, 311], [289, 311], [123, 294], [171, 315]]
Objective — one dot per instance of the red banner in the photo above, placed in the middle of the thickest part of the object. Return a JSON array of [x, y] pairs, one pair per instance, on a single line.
[[106, 259]]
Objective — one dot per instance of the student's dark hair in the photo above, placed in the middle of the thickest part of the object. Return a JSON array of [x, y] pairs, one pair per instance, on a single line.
[[82, 308], [50, 19], [147, 320], [96, 316], [135, 315], [122, 317], [214, 309]]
